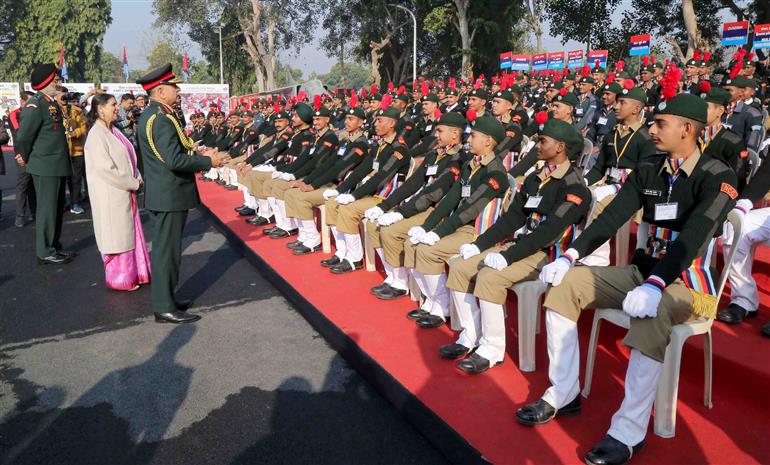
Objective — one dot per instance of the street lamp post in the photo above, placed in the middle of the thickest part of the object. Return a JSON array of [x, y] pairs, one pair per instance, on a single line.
[[414, 39], [221, 68]]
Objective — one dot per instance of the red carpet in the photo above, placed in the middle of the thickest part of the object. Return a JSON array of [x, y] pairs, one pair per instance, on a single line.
[[481, 408]]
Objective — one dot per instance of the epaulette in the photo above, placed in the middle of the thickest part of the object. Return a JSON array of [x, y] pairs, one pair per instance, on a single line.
[[732, 137]]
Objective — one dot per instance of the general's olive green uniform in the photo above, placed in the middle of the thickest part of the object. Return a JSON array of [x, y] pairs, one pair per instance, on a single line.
[[170, 191], [42, 141]]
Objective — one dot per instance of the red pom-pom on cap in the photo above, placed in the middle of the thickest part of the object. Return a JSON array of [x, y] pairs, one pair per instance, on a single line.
[[628, 84], [470, 115], [541, 117]]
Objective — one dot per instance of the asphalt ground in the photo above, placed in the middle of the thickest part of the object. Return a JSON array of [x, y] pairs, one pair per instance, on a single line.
[[88, 377]]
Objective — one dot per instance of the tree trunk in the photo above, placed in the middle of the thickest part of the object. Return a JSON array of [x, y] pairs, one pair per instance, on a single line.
[[251, 29], [270, 63], [691, 24], [533, 18], [376, 56], [342, 64], [466, 38]]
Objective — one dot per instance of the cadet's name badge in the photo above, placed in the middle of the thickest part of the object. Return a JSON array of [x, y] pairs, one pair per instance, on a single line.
[[432, 170], [602, 121], [534, 201], [614, 173], [376, 166], [428, 127], [579, 112], [666, 211], [312, 150], [466, 191]]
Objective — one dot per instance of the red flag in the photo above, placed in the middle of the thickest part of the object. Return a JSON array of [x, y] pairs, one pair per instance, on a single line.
[[61, 56], [184, 61]]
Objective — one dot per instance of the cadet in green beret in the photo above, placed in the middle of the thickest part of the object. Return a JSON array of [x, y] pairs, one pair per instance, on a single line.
[[411, 204], [41, 142], [685, 198], [467, 210], [170, 164], [347, 203], [743, 118], [721, 142], [477, 101], [605, 119], [550, 205]]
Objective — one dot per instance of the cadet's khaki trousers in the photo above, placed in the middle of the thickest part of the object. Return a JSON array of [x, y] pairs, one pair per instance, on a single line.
[[276, 188], [349, 216], [253, 180], [300, 205], [606, 287], [391, 238], [431, 259]]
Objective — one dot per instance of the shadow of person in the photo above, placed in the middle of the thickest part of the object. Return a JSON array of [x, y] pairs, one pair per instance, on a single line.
[[114, 421]]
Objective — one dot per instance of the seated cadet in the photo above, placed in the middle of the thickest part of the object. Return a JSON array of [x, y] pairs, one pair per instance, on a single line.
[[268, 147], [234, 131], [742, 118], [239, 150], [209, 134], [606, 118], [586, 107], [618, 156], [322, 147], [744, 298], [412, 203], [502, 106], [471, 206], [550, 204], [685, 197], [426, 125], [721, 142], [308, 193], [261, 165], [562, 106], [345, 211]]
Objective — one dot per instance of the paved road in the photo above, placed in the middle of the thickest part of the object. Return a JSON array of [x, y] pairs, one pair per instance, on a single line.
[[86, 377]]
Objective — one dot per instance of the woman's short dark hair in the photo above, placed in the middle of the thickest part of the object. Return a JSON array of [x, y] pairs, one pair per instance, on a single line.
[[98, 101]]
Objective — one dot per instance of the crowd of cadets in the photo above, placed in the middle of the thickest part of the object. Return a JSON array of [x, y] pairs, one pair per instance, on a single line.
[[468, 188]]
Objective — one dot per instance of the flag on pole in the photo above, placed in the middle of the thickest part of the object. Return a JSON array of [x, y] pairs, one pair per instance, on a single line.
[[63, 65], [125, 64], [185, 71]]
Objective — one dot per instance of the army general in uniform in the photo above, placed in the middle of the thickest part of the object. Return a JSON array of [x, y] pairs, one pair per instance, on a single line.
[[170, 163]]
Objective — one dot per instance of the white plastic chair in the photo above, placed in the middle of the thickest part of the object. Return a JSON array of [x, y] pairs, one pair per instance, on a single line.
[[668, 386], [326, 242], [528, 297]]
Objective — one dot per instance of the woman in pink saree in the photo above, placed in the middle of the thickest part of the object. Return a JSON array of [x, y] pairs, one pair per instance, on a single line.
[[113, 180]]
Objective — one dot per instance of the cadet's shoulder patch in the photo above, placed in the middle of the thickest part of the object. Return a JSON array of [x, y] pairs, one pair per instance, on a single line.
[[305, 142], [574, 199], [285, 136], [729, 190], [744, 153], [401, 140], [328, 144], [398, 154], [252, 132], [493, 182], [30, 105], [455, 170], [359, 151], [732, 136]]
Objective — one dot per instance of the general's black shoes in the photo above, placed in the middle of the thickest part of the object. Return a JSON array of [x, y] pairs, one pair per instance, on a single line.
[[734, 314], [610, 451], [55, 259], [541, 412], [176, 317]]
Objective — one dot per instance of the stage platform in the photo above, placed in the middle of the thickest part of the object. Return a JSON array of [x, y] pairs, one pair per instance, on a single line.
[[471, 418]]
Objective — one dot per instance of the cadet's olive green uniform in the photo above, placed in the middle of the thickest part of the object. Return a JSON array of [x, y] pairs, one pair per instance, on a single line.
[[43, 143], [170, 191]]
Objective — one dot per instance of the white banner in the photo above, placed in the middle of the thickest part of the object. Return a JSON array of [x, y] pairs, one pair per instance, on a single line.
[[119, 88], [9, 97]]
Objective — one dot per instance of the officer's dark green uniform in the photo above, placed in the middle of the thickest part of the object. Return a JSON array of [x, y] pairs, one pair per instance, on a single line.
[[43, 143], [170, 190]]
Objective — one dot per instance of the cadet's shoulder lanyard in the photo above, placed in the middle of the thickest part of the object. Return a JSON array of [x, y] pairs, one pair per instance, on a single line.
[[619, 155]]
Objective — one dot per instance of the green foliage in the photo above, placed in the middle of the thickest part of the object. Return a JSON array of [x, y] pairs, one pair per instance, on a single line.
[[42, 26], [286, 76], [110, 68], [356, 76]]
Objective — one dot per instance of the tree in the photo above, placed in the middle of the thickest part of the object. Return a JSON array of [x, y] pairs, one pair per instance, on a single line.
[[534, 19], [110, 68], [593, 27], [286, 76], [42, 27], [355, 76], [254, 26]]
